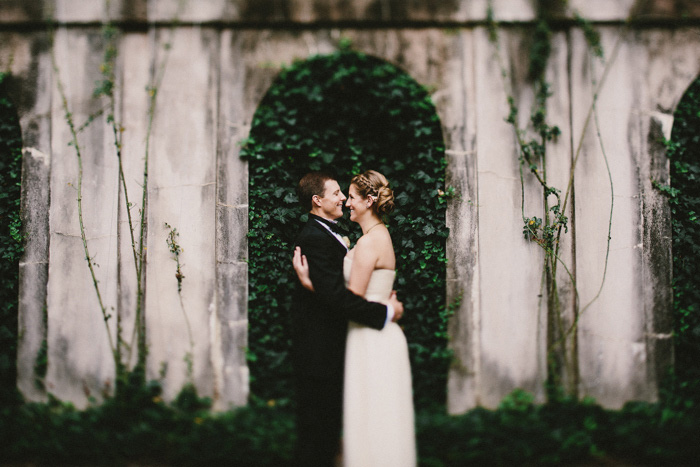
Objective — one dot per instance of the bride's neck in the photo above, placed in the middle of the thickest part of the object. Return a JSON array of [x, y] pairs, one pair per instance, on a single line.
[[369, 222]]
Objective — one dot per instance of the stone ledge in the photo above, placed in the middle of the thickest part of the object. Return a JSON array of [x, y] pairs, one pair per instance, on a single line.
[[333, 13]]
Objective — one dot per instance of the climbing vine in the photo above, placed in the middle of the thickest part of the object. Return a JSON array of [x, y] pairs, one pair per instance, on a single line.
[[347, 112], [122, 348], [546, 231], [175, 249]]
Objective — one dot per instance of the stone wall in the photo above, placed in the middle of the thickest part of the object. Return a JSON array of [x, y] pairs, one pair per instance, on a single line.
[[222, 57]]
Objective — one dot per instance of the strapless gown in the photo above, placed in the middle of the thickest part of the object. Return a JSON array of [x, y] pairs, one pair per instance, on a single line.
[[378, 418]]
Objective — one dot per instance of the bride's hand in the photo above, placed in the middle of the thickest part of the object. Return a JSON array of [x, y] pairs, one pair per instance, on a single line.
[[397, 305], [301, 267]]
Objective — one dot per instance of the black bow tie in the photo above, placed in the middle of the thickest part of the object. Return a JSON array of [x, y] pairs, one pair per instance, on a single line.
[[331, 225]]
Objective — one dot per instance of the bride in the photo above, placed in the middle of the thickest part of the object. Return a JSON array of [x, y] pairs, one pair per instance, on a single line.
[[378, 419]]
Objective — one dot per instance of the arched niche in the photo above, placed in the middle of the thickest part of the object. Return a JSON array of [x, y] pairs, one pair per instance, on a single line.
[[683, 151], [11, 243], [347, 112]]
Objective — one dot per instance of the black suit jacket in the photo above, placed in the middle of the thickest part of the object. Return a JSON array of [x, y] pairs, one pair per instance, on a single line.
[[320, 318]]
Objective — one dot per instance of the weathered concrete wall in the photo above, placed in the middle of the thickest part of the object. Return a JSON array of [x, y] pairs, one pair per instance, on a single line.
[[659, 94], [181, 193], [610, 329], [78, 348], [624, 336], [222, 58]]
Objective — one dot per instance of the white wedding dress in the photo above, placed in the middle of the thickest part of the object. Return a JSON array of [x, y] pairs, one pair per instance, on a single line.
[[378, 419]]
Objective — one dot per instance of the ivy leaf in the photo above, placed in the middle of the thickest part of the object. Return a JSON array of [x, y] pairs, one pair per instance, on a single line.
[[401, 199]]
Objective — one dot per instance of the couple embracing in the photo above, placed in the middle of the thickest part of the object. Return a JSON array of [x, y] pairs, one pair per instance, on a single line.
[[350, 358]]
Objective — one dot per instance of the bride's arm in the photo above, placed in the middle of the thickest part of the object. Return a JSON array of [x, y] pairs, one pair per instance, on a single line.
[[364, 261], [302, 269]]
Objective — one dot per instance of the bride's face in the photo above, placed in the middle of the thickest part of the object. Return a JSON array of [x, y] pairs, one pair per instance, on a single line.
[[356, 203]]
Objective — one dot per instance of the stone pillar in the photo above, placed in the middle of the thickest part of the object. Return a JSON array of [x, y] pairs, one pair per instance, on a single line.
[[231, 336], [456, 106], [31, 69]]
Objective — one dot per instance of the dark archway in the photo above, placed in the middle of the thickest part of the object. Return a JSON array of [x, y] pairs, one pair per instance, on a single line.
[[347, 112], [684, 198], [11, 244]]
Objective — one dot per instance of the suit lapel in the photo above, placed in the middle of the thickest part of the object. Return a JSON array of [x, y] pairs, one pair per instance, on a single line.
[[315, 224]]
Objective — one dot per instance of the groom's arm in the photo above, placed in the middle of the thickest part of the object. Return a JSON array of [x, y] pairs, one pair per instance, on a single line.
[[329, 287]]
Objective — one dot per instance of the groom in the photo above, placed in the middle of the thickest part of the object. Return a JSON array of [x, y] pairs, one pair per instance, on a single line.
[[319, 322]]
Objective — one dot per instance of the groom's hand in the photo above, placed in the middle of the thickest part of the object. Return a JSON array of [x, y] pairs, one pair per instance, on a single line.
[[397, 305]]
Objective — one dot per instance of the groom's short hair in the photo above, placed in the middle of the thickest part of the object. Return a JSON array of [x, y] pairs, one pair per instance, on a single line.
[[313, 183]]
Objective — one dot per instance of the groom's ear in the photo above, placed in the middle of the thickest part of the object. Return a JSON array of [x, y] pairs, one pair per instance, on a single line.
[[316, 200]]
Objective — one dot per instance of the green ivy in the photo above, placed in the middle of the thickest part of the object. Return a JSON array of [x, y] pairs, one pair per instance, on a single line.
[[11, 240], [684, 200], [138, 428], [347, 112]]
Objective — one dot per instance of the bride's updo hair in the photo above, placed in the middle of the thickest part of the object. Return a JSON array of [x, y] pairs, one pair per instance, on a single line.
[[372, 183]]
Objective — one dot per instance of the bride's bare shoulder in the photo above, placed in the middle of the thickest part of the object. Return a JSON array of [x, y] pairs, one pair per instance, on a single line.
[[364, 244], [380, 237], [377, 245]]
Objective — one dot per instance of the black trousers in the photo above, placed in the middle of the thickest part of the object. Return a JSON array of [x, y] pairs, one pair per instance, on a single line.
[[319, 420]]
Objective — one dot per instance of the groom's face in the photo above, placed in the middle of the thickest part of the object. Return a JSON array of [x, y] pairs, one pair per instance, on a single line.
[[332, 200]]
